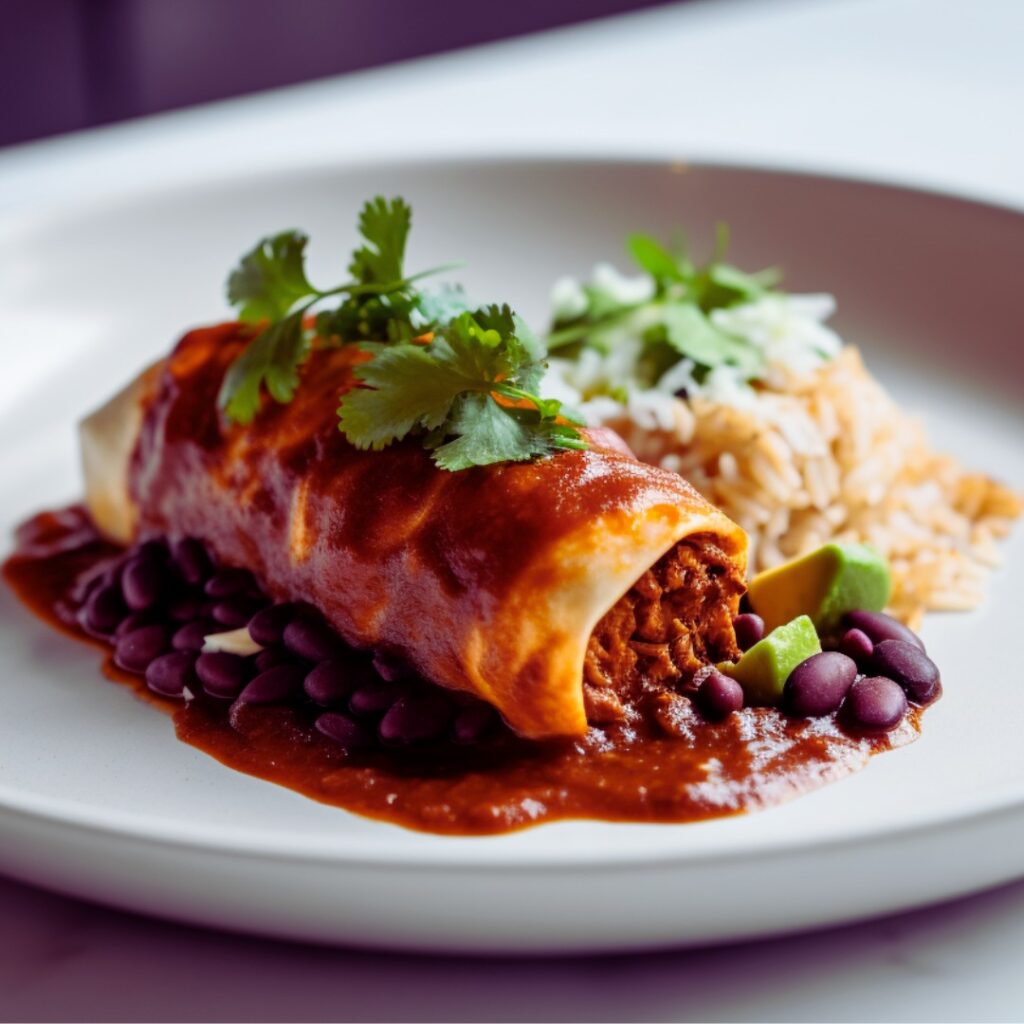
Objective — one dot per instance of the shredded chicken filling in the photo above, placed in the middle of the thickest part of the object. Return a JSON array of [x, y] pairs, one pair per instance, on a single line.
[[675, 619]]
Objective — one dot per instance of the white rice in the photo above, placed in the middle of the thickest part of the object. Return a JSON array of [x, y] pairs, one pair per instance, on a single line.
[[816, 452]]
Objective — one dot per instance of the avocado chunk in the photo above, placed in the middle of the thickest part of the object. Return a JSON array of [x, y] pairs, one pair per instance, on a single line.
[[826, 584], [764, 669]]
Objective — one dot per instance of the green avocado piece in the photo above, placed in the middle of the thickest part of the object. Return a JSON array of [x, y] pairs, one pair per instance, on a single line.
[[825, 584], [762, 671]]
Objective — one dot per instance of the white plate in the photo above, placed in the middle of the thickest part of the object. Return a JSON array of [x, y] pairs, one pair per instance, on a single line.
[[97, 798]]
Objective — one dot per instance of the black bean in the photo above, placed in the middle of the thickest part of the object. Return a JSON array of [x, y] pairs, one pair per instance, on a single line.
[[749, 630], [856, 644], [192, 560], [314, 641], [228, 582], [267, 626], [910, 667], [272, 656], [98, 634], [135, 621], [143, 582], [85, 586], [344, 731], [170, 674], [104, 609], [416, 718], [112, 574], [189, 605], [333, 680], [472, 724], [719, 695], [375, 698], [192, 635], [223, 674], [391, 668], [135, 650], [875, 704], [154, 549], [818, 684], [276, 685], [236, 611], [880, 626], [305, 610]]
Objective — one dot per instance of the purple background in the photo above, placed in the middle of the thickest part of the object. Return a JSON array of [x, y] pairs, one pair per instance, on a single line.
[[68, 64]]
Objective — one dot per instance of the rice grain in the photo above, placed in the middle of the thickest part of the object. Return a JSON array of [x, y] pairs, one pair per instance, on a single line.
[[830, 456]]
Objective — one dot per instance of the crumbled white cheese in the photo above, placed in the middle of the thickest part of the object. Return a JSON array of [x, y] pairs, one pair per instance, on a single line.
[[627, 291], [568, 299], [652, 410], [788, 330], [233, 641]]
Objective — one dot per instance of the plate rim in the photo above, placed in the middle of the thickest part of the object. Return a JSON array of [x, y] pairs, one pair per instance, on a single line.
[[482, 852], [40, 214], [443, 851]]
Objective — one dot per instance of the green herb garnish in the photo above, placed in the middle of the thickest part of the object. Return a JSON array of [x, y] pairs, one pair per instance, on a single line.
[[466, 382], [270, 287], [675, 321], [471, 392]]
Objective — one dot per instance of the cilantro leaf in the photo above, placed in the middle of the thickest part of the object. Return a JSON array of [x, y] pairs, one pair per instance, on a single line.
[[498, 321], [688, 330], [271, 359], [486, 432], [270, 278], [372, 318], [383, 303], [532, 365], [482, 344], [385, 226], [729, 286], [270, 286], [439, 306], [674, 323], [467, 383], [448, 390], [652, 256], [408, 387], [415, 385]]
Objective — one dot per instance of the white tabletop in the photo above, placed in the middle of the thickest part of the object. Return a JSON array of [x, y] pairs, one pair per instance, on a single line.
[[927, 92]]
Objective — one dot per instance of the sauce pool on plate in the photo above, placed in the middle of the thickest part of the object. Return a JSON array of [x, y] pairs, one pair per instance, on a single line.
[[675, 766]]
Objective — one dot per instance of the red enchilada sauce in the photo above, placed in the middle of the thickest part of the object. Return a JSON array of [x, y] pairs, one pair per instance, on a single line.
[[675, 767]]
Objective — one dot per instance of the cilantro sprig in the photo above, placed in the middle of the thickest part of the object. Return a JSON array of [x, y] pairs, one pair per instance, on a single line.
[[471, 393], [270, 288], [467, 383], [675, 321]]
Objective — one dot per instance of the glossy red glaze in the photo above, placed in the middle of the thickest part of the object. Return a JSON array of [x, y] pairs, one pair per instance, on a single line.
[[485, 580]]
